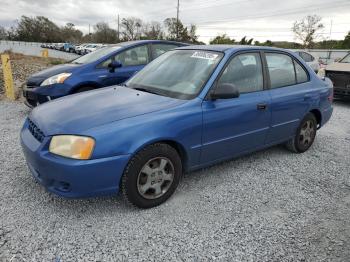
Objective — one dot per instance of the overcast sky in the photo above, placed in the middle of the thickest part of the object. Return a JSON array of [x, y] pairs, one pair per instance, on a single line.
[[261, 19]]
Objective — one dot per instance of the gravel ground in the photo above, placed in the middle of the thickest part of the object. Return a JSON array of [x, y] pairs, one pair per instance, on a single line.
[[268, 206]]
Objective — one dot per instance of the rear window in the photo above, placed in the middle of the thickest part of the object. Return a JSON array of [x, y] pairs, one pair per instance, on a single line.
[[281, 70]]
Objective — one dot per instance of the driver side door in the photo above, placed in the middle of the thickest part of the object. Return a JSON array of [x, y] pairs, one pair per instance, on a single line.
[[132, 60], [237, 125]]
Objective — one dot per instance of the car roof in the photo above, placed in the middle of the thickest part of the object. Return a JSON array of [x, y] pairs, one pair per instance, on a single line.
[[136, 42], [229, 48]]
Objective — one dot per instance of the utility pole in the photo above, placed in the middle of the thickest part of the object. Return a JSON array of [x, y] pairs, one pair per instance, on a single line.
[[89, 33], [177, 20], [118, 34]]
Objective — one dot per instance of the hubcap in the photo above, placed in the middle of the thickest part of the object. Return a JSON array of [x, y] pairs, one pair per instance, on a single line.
[[155, 178], [307, 133]]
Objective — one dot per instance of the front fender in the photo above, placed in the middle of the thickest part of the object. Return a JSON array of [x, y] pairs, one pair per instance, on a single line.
[[181, 125]]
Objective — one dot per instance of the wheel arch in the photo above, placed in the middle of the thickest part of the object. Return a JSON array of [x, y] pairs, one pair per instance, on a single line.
[[317, 113], [174, 144]]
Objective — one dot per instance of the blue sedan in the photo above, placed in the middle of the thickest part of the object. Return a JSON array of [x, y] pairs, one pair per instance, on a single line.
[[190, 108], [107, 66]]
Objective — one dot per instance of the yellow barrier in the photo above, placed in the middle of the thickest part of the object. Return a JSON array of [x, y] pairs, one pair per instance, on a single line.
[[6, 68], [45, 53]]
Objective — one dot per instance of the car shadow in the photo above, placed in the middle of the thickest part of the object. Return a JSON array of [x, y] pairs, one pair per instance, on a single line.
[[117, 205]]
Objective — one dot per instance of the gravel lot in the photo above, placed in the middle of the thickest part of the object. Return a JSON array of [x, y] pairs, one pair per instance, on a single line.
[[268, 206]]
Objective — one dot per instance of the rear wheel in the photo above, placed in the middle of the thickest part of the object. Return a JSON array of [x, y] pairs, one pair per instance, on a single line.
[[151, 176], [305, 135]]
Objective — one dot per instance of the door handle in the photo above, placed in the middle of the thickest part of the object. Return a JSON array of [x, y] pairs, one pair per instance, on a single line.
[[261, 106]]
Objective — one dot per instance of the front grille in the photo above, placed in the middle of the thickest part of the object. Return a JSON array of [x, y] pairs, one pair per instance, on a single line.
[[35, 131], [339, 79]]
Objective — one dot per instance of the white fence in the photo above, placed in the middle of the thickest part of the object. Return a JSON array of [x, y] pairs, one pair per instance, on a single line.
[[33, 49]]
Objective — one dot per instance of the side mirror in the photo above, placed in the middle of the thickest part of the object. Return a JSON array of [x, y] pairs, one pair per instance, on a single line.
[[113, 65], [224, 91]]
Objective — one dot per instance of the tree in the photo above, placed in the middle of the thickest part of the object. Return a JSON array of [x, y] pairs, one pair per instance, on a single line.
[[70, 34], [104, 34], [346, 42], [222, 40], [131, 28], [244, 41], [3, 33], [307, 29], [153, 30]]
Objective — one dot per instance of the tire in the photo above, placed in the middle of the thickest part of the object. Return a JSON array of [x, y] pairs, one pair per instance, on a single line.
[[305, 135], [143, 177], [83, 89]]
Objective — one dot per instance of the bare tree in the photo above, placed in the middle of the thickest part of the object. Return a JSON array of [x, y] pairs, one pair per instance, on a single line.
[[131, 28], [153, 30], [307, 29], [3, 33]]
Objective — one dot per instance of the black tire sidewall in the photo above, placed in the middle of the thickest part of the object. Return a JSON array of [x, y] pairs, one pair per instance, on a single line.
[[130, 176], [298, 146]]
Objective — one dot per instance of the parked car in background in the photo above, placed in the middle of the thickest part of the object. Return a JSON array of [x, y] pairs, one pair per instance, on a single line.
[[78, 49], [68, 47], [310, 60], [190, 108], [92, 47], [104, 67], [339, 73]]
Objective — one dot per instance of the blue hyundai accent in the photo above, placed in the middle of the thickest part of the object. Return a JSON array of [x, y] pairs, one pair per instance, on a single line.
[[190, 108], [94, 70]]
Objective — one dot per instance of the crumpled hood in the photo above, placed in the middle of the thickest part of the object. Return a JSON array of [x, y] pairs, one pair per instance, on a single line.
[[38, 78], [343, 67], [76, 113]]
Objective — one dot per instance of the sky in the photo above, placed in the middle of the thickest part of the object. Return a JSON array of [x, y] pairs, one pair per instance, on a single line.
[[258, 19]]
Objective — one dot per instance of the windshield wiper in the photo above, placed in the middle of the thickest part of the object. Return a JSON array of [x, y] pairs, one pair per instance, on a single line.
[[145, 90]]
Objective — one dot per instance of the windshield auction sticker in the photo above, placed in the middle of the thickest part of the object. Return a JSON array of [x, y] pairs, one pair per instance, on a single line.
[[204, 55]]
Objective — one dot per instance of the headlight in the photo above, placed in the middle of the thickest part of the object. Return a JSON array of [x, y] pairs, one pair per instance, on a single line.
[[57, 79], [77, 147]]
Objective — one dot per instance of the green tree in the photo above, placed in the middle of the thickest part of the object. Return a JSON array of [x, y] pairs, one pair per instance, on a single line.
[[152, 30], [346, 42], [222, 40], [244, 41]]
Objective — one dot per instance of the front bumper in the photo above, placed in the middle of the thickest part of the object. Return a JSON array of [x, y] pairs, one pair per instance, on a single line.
[[68, 177], [35, 96]]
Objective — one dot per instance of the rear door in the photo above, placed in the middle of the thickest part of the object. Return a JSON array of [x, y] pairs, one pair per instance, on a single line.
[[132, 60], [233, 126], [291, 94]]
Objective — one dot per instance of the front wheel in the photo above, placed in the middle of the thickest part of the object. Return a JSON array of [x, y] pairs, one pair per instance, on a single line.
[[151, 176], [304, 136]]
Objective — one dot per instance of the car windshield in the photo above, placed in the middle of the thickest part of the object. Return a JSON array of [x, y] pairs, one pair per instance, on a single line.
[[94, 56], [346, 59], [179, 74]]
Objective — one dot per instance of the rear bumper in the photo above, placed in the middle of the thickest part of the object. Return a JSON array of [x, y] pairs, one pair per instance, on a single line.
[[71, 178], [326, 115]]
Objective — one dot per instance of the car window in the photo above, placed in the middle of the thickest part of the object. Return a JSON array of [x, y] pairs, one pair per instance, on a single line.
[[134, 56], [245, 72], [159, 49], [306, 57], [281, 70], [301, 74]]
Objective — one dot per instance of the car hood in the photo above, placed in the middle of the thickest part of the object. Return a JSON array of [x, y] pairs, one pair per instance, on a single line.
[[80, 112], [343, 67], [38, 78]]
